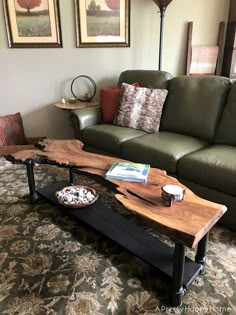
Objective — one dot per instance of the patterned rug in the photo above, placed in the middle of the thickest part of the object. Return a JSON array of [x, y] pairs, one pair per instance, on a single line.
[[52, 264]]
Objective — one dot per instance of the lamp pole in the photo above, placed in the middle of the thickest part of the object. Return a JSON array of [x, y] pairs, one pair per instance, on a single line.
[[162, 16], [162, 4]]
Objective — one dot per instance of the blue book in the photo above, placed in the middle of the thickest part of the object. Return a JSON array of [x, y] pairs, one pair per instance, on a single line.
[[129, 171]]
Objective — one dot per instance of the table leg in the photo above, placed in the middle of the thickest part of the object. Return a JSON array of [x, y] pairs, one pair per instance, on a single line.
[[72, 178], [178, 272], [34, 196], [200, 257]]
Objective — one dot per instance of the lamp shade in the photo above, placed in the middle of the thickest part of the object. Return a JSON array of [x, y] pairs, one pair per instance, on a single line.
[[162, 3]]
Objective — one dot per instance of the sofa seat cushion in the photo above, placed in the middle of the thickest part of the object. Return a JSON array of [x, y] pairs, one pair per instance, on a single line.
[[213, 167], [161, 149], [109, 137]]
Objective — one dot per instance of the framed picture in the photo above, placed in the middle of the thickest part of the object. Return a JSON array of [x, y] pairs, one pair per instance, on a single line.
[[102, 23], [33, 23]]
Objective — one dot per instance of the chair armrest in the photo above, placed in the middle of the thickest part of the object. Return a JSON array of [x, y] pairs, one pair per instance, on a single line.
[[84, 117], [33, 140]]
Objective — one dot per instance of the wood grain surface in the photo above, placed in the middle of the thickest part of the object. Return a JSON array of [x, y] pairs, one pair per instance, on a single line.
[[76, 105], [184, 222]]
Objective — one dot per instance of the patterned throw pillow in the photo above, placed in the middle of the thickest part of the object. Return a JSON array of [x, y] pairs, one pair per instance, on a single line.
[[11, 130], [140, 108], [110, 101]]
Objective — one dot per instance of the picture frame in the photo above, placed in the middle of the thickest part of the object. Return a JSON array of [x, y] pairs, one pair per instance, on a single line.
[[102, 23], [33, 24]]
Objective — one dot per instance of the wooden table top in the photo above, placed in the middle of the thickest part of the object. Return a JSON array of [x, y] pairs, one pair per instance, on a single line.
[[184, 222], [76, 105]]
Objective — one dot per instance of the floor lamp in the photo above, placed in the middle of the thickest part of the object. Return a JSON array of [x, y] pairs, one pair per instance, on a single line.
[[162, 4]]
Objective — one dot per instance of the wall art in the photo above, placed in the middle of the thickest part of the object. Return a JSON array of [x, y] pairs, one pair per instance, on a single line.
[[102, 23], [33, 23]]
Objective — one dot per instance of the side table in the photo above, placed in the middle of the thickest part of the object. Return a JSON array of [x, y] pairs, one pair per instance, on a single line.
[[76, 105]]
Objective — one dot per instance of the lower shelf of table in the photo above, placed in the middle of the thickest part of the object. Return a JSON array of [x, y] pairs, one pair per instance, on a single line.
[[127, 234]]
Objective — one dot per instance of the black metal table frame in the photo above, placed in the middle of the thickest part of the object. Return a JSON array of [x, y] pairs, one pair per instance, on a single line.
[[181, 269]]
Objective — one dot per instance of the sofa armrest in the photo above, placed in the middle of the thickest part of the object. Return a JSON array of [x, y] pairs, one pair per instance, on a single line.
[[84, 117]]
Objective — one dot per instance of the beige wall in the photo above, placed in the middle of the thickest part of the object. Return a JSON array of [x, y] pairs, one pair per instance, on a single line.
[[33, 79]]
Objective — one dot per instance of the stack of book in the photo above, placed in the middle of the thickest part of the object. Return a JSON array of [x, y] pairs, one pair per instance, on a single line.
[[132, 172]]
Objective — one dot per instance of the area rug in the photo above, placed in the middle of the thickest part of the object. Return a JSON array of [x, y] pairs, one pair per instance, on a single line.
[[52, 264]]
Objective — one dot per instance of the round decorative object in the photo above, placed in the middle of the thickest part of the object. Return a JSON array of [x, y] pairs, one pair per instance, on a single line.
[[172, 193], [87, 96], [76, 196]]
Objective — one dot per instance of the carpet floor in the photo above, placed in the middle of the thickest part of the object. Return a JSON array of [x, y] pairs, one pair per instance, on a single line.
[[52, 264]]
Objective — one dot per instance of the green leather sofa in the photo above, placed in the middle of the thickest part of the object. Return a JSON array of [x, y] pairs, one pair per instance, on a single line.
[[197, 138]]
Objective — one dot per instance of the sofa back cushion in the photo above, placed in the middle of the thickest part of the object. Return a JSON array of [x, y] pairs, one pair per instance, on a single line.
[[226, 130], [152, 79], [194, 105]]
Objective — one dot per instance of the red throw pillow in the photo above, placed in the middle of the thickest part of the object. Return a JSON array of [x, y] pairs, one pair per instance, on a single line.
[[11, 130], [110, 101]]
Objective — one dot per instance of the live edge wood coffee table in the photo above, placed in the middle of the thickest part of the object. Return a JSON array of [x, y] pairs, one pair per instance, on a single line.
[[186, 223]]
